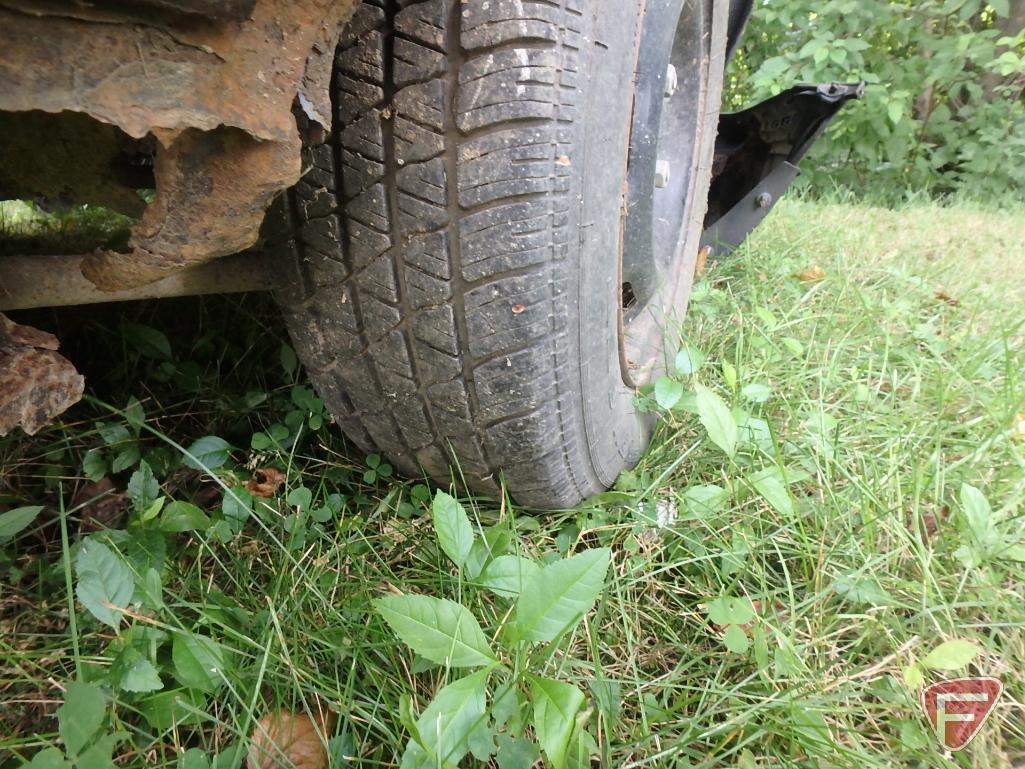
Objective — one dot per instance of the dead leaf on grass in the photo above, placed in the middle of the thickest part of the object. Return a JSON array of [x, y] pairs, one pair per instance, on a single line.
[[943, 296], [282, 739], [265, 482], [812, 275], [702, 261], [1018, 426]]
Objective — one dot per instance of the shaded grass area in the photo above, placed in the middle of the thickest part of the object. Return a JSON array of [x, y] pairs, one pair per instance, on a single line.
[[874, 361], [25, 228]]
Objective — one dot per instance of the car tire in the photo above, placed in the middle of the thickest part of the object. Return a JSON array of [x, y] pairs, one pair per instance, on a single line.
[[451, 262]]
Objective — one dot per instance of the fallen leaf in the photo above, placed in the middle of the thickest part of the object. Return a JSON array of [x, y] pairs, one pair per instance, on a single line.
[[282, 739], [1019, 426], [265, 482], [812, 275], [930, 521], [563, 160], [99, 506], [943, 296], [702, 261]]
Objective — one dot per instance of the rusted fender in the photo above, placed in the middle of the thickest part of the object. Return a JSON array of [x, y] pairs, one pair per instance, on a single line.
[[216, 93]]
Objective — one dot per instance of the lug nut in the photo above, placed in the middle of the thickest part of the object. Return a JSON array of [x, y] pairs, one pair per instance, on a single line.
[[671, 81], [662, 172]]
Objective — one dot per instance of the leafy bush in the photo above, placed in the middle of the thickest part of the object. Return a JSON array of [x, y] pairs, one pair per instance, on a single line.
[[944, 109]]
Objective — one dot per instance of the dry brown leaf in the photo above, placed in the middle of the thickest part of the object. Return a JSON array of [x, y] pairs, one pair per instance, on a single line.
[[282, 739], [943, 296], [702, 261], [1019, 426], [265, 482], [812, 275]]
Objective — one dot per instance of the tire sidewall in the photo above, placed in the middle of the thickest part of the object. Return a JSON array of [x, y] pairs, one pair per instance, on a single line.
[[616, 432]]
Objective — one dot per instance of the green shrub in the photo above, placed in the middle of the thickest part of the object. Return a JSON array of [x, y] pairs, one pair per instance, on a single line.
[[943, 111]]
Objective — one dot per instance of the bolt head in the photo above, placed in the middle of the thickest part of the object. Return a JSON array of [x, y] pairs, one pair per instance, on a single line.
[[662, 173], [671, 81], [763, 199]]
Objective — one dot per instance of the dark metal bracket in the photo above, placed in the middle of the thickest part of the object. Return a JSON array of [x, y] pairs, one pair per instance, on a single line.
[[756, 156]]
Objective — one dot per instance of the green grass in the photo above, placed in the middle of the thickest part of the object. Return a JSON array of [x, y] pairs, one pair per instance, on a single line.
[[887, 384]]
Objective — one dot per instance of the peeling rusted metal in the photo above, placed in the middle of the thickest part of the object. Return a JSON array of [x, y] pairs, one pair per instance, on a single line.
[[215, 93], [36, 382], [212, 190]]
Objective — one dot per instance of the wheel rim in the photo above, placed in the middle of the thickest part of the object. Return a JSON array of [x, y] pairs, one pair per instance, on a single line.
[[663, 147]]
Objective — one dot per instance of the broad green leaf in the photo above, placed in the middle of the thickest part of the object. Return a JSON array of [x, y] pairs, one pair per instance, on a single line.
[[913, 676], [506, 575], [496, 541], [105, 582], [810, 727], [125, 458], [978, 515], [516, 752], [895, 110], [135, 673], [438, 629], [100, 754], [288, 359], [452, 526], [447, 724], [48, 758], [729, 374], [951, 655], [706, 499], [94, 465], [301, 497], [482, 741], [135, 415], [668, 391], [194, 758], [717, 420], [146, 340], [756, 392], [559, 595], [16, 520], [862, 588], [163, 710], [183, 516], [230, 757], [81, 715], [208, 453], [582, 747], [727, 610], [143, 487], [689, 360], [1013, 553], [773, 491], [198, 661], [736, 640], [556, 705], [237, 503]]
